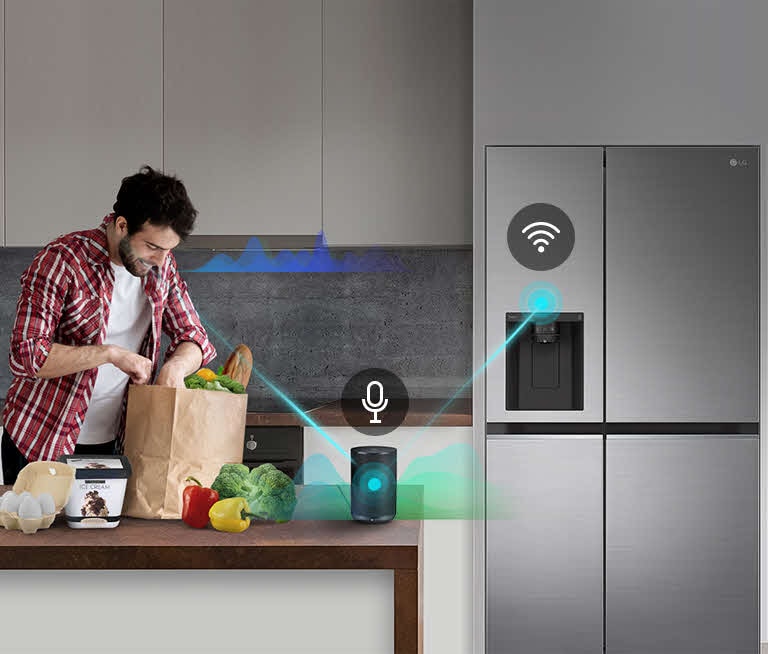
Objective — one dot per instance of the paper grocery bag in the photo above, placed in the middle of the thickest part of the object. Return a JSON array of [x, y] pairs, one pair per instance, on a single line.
[[172, 433]]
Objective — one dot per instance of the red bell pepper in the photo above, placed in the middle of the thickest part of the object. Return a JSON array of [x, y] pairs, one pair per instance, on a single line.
[[198, 500]]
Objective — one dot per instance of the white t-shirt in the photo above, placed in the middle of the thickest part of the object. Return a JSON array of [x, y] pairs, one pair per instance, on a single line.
[[130, 315]]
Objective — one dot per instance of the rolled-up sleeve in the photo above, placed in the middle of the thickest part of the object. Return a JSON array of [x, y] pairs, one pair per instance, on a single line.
[[38, 311], [180, 319]]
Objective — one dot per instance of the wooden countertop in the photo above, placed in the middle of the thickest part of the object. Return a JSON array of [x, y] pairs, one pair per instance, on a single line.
[[171, 544], [420, 412]]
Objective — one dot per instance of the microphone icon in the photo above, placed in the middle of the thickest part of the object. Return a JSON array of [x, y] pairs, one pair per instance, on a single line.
[[375, 407]]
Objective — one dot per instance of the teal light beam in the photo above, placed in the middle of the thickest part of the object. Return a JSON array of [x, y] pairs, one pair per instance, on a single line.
[[273, 387], [493, 355]]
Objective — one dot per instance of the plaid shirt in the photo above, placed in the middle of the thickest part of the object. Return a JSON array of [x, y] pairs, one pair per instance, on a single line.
[[65, 297]]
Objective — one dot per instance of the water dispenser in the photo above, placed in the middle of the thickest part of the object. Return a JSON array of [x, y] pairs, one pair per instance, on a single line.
[[545, 364]]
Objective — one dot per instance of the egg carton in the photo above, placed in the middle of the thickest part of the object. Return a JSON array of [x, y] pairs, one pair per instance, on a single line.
[[27, 525], [39, 477]]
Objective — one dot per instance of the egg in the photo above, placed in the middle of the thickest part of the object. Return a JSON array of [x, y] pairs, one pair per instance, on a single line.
[[47, 505], [30, 508], [10, 502]]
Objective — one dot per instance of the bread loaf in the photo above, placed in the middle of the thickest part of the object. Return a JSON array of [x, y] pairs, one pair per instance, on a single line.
[[239, 364]]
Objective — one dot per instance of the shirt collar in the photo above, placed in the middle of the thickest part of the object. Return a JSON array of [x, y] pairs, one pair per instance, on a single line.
[[99, 237]]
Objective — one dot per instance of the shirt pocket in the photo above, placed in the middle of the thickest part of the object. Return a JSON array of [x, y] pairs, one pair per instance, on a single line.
[[81, 318]]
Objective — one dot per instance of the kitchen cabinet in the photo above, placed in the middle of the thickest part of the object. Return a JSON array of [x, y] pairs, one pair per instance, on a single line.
[[283, 611], [545, 559], [682, 539], [83, 109], [397, 122], [2, 133], [448, 586], [242, 112]]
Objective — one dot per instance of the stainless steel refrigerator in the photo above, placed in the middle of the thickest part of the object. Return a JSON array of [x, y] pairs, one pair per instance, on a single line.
[[626, 455]]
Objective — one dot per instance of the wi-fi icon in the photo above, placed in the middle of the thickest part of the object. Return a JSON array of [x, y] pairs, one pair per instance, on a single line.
[[540, 238], [550, 236]]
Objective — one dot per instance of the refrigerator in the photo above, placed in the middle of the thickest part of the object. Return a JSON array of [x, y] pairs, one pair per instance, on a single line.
[[622, 439]]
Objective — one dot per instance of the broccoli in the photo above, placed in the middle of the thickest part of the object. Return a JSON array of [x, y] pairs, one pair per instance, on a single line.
[[257, 473], [275, 496], [233, 481], [270, 493]]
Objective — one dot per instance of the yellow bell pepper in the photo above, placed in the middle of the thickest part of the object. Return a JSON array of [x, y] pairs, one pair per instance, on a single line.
[[231, 514], [207, 374]]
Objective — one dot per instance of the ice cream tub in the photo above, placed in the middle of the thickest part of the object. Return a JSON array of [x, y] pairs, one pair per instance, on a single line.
[[96, 498]]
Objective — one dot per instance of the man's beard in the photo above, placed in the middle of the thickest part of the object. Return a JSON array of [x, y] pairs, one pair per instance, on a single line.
[[131, 262]]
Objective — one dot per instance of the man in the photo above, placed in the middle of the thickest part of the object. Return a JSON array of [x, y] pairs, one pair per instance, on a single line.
[[88, 321]]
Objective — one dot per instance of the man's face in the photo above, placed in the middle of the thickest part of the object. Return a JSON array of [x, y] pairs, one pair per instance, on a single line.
[[147, 248]]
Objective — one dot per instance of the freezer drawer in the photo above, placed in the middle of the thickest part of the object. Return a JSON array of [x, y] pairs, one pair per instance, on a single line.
[[682, 284], [545, 564], [682, 545]]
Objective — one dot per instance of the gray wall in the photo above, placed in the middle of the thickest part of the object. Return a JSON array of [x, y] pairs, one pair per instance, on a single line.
[[310, 332], [619, 72]]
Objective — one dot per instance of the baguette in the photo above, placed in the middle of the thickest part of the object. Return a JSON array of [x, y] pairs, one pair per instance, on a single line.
[[239, 364]]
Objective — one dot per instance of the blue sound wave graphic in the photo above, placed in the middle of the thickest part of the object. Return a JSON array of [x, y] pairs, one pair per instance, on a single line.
[[318, 259]]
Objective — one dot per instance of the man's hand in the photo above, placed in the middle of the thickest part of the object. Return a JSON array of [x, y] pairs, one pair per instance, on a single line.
[[137, 367], [171, 374]]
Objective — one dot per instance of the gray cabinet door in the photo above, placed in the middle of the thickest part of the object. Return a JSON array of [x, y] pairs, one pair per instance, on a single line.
[[397, 122], [83, 109], [2, 133], [682, 284], [682, 545], [243, 112], [544, 547]]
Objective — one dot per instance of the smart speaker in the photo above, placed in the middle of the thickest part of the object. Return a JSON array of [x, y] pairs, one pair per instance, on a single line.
[[374, 483]]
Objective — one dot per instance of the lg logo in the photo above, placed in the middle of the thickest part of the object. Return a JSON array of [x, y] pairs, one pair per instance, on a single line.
[[741, 163]]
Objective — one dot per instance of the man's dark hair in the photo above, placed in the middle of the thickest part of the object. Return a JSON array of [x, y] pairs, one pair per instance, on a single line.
[[149, 195]]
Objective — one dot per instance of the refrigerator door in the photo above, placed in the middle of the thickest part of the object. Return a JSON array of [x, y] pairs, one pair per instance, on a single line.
[[571, 180], [544, 564], [682, 545], [682, 284]]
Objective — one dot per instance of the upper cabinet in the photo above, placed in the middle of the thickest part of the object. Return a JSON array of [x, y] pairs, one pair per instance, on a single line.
[[2, 131], [243, 112], [282, 117], [397, 122], [83, 109]]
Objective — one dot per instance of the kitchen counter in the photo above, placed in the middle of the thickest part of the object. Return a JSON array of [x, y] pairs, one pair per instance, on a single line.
[[420, 412], [321, 533], [299, 544]]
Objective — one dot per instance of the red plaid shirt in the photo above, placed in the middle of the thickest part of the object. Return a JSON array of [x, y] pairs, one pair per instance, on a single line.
[[65, 298]]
